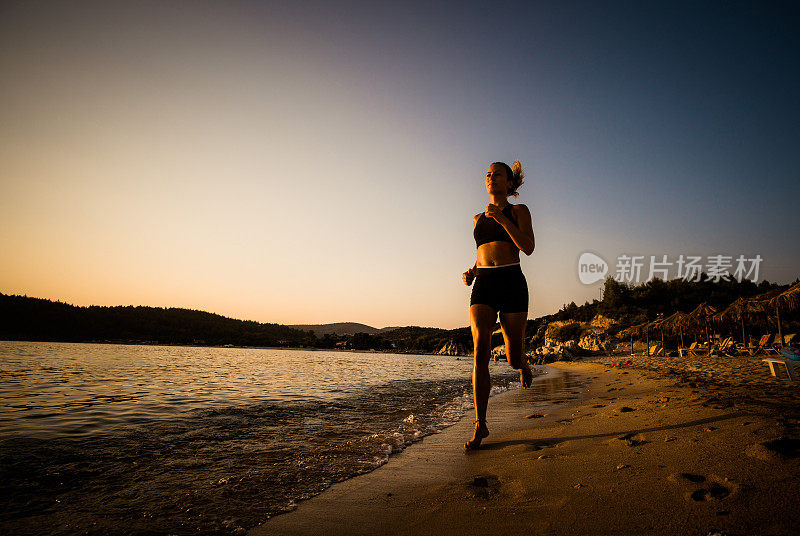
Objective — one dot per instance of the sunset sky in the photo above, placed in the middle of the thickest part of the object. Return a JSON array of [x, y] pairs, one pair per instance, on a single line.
[[307, 162]]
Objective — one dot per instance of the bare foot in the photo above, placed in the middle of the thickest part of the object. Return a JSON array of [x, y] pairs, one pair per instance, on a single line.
[[526, 376], [481, 431]]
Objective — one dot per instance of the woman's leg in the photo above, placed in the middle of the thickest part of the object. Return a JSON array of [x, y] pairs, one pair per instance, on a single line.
[[513, 325], [482, 319]]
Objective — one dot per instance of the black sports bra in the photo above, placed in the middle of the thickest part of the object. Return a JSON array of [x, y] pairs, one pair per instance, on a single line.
[[488, 230]]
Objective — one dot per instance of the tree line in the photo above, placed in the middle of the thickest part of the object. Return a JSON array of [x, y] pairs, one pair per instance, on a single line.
[[37, 319]]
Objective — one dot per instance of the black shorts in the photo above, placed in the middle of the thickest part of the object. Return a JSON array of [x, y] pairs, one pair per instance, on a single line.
[[503, 289]]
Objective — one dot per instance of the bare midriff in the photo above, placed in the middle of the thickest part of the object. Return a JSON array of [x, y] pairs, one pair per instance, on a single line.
[[497, 253]]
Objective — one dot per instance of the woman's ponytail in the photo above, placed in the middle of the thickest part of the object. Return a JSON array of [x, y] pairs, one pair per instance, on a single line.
[[517, 176]]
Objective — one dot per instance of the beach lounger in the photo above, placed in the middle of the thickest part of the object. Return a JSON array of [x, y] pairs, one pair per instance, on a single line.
[[721, 347], [788, 363], [683, 351], [790, 358], [776, 345], [653, 351], [698, 350], [727, 347], [763, 343]]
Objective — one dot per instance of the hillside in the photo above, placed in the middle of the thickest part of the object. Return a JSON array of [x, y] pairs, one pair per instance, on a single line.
[[337, 328], [36, 319]]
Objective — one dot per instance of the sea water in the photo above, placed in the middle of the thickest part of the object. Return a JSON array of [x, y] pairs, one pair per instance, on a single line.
[[125, 439]]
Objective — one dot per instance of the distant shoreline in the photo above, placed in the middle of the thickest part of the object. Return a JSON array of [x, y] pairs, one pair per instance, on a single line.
[[311, 349], [37, 319]]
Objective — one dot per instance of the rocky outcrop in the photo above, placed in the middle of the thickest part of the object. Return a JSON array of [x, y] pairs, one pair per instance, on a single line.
[[591, 341], [554, 352], [600, 323], [453, 348], [590, 336], [553, 328]]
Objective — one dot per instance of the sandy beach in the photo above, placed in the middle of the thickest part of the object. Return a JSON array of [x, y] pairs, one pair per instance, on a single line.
[[591, 449]]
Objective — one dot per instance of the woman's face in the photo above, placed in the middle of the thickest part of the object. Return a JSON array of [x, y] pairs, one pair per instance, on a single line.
[[497, 182]]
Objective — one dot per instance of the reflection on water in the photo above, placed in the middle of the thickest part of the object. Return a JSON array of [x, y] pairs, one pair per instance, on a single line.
[[553, 388], [114, 439], [60, 388]]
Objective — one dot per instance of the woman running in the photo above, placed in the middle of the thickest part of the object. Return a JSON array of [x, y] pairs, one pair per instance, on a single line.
[[501, 232]]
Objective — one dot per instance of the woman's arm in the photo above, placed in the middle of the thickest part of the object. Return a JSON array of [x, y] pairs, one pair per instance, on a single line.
[[469, 275], [522, 233]]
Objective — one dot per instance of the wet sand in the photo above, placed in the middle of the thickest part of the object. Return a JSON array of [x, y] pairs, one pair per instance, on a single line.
[[591, 449]]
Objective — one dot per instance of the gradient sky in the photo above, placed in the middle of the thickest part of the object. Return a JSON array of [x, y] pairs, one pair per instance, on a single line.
[[306, 162]]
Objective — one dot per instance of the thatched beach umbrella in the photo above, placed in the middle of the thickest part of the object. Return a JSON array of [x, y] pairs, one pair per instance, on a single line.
[[631, 331], [699, 317], [659, 325], [675, 323], [653, 324], [788, 300], [738, 310], [646, 328], [755, 307]]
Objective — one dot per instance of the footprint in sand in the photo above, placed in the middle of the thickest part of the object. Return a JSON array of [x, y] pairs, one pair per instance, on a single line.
[[626, 409], [704, 489], [535, 416], [484, 486], [539, 446], [599, 406], [633, 439], [777, 449], [716, 492], [485, 481], [716, 403]]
